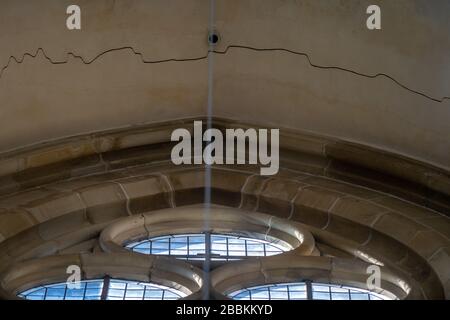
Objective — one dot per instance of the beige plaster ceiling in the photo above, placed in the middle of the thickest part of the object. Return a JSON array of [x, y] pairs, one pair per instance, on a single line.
[[404, 110]]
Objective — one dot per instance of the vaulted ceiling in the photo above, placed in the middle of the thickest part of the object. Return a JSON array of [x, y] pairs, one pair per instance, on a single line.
[[86, 117], [317, 71]]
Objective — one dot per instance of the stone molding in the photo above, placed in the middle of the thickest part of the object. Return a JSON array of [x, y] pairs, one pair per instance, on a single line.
[[57, 198]]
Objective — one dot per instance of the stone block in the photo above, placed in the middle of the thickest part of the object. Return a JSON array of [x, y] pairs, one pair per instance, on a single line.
[[55, 205], [104, 202], [188, 186], [14, 221], [312, 204], [147, 193], [398, 227], [251, 191], [357, 210], [277, 195], [427, 243]]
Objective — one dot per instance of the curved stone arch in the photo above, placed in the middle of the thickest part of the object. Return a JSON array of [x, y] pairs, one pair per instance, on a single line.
[[41, 273], [53, 246], [159, 270], [285, 269], [220, 220], [62, 194], [301, 151]]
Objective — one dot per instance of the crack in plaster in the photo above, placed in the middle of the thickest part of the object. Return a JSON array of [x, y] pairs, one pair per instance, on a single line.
[[223, 52], [169, 185], [243, 189], [263, 271], [269, 227], [127, 197], [330, 209], [292, 202]]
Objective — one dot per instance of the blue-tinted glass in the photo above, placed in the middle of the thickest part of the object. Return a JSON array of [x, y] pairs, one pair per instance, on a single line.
[[255, 246], [321, 296], [144, 251], [92, 290], [160, 251], [178, 245], [36, 291], [260, 293], [134, 294], [139, 291], [56, 292], [117, 285], [160, 245], [297, 295], [279, 294], [156, 294], [297, 291], [116, 292], [320, 288], [340, 296], [75, 293], [359, 296], [244, 295], [192, 247], [219, 246], [297, 287], [144, 245], [278, 288], [169, 294], [134, 286], [339, 289], [196, 239]]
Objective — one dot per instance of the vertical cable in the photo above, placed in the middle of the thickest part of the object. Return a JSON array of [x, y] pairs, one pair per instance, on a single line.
[[207, 197]]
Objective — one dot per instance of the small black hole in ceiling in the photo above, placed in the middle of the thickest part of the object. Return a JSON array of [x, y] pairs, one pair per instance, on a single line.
[[213, 38]]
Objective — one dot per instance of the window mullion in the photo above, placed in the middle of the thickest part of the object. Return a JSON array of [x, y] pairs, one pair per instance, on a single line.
[[228, 250], [188, 239], [170, 246], [105, 289], [65, 292], [309, 293]]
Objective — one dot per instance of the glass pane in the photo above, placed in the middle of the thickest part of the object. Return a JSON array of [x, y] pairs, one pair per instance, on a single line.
[[192, 247], [297, 295], [359, 296], [340, 296], [92, 290], [297, 291], [321, 296]]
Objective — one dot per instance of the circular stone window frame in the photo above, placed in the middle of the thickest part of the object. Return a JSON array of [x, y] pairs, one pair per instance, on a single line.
[[158, 270], [220, 220], [287, 269]]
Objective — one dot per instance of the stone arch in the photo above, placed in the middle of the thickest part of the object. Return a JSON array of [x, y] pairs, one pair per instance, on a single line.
[[59, 196]]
